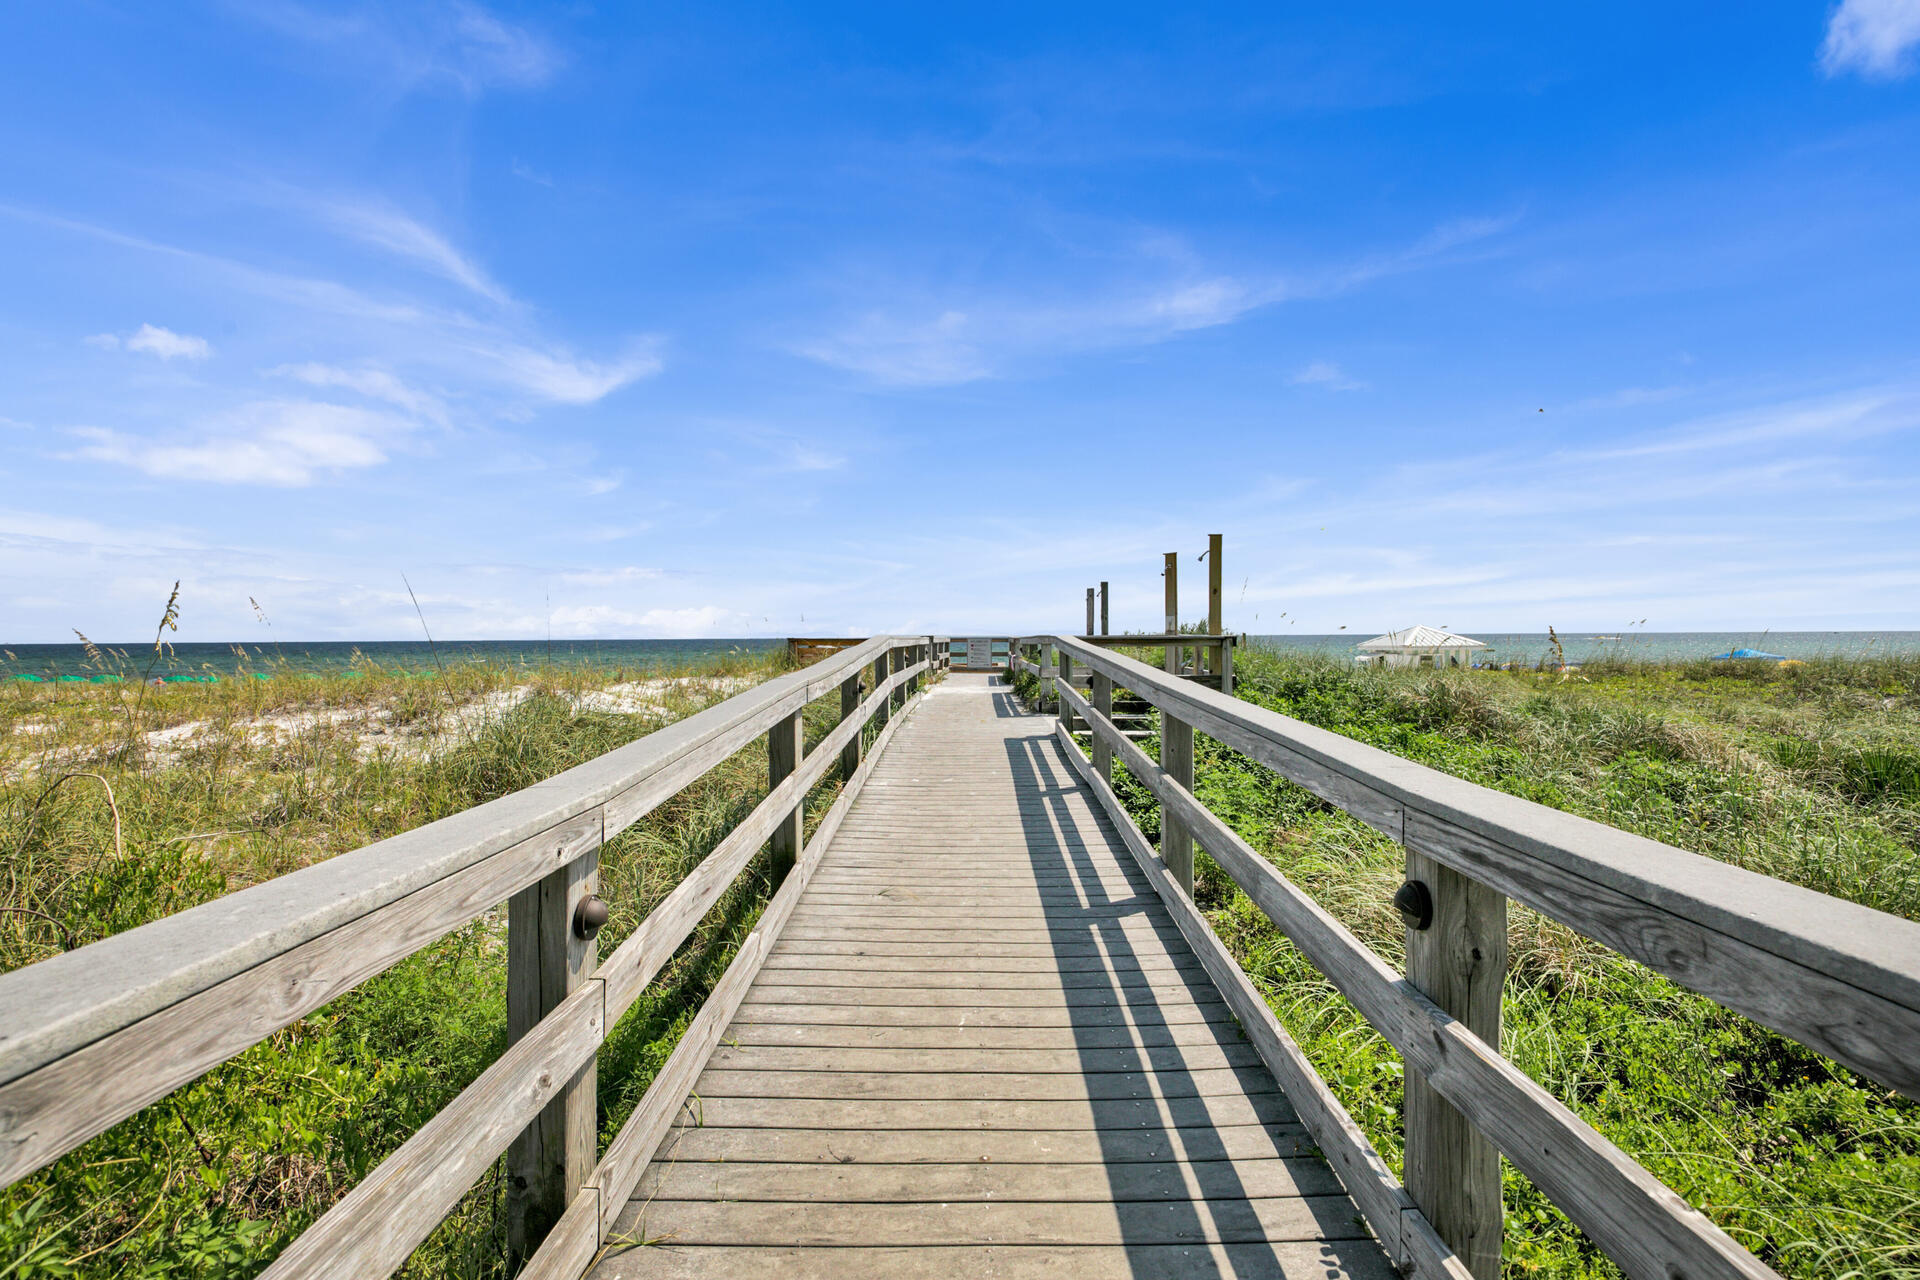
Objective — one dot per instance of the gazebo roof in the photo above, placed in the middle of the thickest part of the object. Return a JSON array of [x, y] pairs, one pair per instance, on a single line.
[[1421, 638]]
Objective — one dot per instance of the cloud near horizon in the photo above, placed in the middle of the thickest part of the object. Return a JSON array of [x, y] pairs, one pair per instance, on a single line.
[[282, 443], [154, 340]]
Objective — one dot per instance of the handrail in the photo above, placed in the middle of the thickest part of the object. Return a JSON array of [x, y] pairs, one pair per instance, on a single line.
[[414, 1188], [1841, 977], [91, 1036]]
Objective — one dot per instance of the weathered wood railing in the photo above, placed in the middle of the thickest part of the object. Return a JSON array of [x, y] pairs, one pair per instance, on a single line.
[[1840, 978], [90, 1037]]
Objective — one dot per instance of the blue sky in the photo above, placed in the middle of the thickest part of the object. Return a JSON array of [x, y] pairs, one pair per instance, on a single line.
[[730, 320]]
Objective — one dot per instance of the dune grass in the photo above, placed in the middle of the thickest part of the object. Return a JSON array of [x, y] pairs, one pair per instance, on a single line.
[[120, 804], [1805, 772]]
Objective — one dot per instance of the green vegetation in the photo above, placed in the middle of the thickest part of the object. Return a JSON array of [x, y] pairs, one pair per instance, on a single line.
[[1809, 772], [120, 804]]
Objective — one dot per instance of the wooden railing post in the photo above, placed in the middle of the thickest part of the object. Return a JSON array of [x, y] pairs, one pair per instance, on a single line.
[[881, 666], [850, 703], [1215, 666], [786, 743], [547, 959], [1459, 961], [1176, 748], [1103, 703], [1066, 679], [896, 663], [1046, 667]]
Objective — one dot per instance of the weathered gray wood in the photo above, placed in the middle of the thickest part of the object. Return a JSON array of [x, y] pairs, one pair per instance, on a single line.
[[1286, 1260], [1103, 703], [1085, 1183], [626, 1157], [1459, 962], [225, 956], [62, 1104], [786, 743], [849, 705], [1112, 1149], [546, 963], [914, 1049], [1640, 1223], [1841, 978], [1089, 610], [375, 1226], [1405, 1231], [1176, 838], [635, 962], [378, 1229], [1103, 608], [1283, 1218]]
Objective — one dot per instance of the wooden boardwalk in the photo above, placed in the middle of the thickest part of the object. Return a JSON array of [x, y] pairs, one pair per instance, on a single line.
[[980, 1047]]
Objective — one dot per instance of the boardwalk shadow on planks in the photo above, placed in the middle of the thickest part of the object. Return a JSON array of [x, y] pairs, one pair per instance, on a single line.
[[1201, 1196], [981, 1047]]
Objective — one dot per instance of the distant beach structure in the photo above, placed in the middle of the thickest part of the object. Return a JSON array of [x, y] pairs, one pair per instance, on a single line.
[[1421, 647]]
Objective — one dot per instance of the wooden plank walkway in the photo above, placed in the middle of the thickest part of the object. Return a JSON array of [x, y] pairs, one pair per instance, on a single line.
[[981, 1048]]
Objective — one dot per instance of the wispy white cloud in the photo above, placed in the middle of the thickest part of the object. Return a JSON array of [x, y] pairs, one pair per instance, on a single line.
[[387, 228], [375, 384], [1873, 38], [560, 376], [456, 44], [156, 341], [989, 335], [286, 443], [1325, 373]]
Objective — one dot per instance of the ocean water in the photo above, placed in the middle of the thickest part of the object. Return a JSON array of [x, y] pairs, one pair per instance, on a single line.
[[50, 661], [1529, 648]]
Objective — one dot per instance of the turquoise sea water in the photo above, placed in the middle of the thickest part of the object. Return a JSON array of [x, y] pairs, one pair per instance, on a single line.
[[51, 661], [1645, 646]]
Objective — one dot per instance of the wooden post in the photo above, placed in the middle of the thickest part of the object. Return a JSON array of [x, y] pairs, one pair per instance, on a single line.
[[881, 712], [1176, 748], [1103, 703], [896, 663], [1046, 665], [1103, 608], [1172, 575], [1213, 600], [850, 703], [1066, 680], [1459, 962], [786, 742], [1176, 842], [1226, 669], [549, 1161], [1089, 610]]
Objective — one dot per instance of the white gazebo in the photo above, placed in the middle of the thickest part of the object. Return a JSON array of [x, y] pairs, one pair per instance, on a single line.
[[1420, 647]]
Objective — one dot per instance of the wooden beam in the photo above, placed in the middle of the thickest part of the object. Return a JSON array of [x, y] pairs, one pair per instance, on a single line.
[[1459, 961], [1636, 1219], [1840, 978], [1103, 608], [1103, 703], [547, 961], [786, 743], [850, 703]]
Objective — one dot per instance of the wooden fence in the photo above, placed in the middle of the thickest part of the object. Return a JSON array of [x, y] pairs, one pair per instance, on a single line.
[[1839, 978], [90, 1037]]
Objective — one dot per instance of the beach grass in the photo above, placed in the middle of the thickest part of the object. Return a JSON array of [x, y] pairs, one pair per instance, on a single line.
[[1807, 772], [119, 805]]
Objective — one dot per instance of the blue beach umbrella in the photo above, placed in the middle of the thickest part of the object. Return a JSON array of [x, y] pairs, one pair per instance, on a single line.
[[1750, 653]]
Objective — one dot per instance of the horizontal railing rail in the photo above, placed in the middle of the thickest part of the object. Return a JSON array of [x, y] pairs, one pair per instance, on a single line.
[[1840, 978], [89, 1037]]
